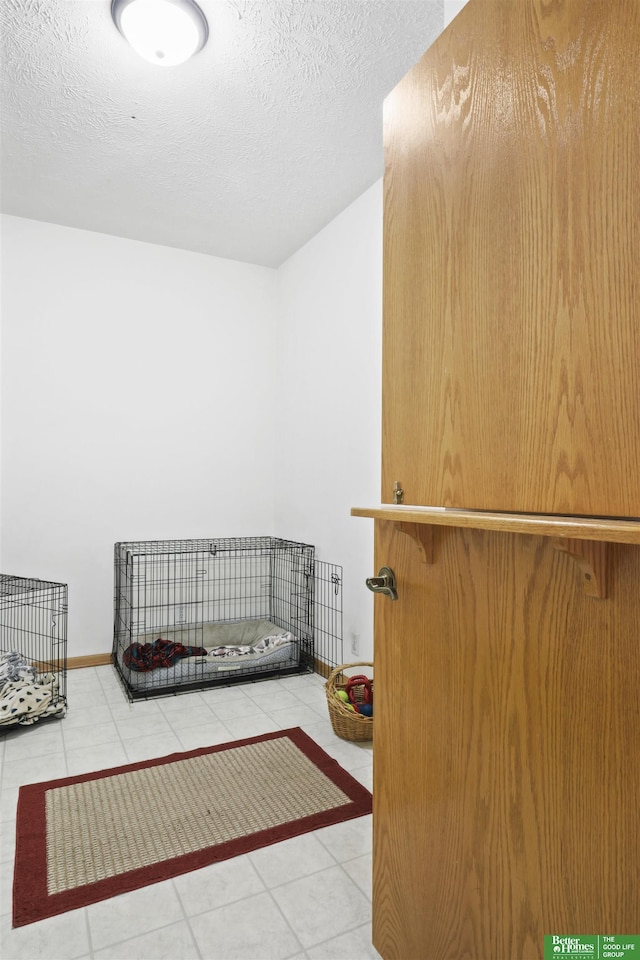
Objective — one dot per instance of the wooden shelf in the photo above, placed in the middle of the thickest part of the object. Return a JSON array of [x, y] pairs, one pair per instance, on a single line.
[[571, 528]]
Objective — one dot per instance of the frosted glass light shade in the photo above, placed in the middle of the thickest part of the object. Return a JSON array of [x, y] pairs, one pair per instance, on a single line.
[[164, 32]]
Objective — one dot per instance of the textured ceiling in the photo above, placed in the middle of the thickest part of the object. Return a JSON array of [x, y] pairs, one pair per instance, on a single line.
[[245, 151]]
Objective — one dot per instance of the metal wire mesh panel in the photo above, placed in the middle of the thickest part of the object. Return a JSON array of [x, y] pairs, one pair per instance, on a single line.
[[327, 600], [190, 613], [33, 650]]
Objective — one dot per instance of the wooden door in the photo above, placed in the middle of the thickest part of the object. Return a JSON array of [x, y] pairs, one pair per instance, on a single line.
[[507, 767], [511, 262], [506, 751]]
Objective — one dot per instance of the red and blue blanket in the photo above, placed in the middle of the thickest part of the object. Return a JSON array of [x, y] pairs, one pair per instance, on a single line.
[[160, 653]]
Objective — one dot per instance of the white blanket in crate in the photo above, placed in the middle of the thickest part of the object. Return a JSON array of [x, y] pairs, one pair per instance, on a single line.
[[25, 696], [263, 646]]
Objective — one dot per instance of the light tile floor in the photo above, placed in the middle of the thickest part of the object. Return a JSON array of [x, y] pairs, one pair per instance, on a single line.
[[308, 897]]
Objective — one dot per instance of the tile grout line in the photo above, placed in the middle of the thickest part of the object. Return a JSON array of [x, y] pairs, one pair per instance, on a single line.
[[293, 933], [89, 937], [187, 919]]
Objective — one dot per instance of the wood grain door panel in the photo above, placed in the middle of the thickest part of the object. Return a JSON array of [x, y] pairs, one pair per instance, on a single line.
[[506, 752], [511, 250]]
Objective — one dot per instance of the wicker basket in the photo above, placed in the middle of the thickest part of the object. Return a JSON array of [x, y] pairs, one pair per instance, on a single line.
[[346, 723]]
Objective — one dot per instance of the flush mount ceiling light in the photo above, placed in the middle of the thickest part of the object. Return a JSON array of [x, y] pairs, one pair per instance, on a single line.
[[166, 32]]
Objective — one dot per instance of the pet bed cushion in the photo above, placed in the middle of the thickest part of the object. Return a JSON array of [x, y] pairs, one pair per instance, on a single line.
[[269, 646]]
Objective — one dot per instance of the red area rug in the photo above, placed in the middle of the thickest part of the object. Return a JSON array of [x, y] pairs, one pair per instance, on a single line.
[[83, 839]]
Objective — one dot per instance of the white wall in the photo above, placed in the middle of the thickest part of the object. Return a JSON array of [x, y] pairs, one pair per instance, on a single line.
[[329, 396], [328, 401], [146, 390], [451, 9], [137, 403]]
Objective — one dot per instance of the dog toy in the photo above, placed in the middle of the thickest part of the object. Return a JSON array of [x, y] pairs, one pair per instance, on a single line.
[[359, 681]]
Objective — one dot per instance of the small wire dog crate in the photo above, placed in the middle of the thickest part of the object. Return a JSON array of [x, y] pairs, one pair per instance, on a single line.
[[33, 650], [195, 613]]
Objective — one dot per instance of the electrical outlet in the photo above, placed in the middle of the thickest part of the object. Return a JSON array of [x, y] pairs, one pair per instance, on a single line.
[[355, 644], [181, 614]]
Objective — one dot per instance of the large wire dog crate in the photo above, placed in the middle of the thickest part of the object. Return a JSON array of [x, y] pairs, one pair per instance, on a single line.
[[33, 650], [194, 613]]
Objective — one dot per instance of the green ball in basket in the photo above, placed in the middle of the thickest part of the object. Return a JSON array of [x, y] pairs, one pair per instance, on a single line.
[[343, 697]]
